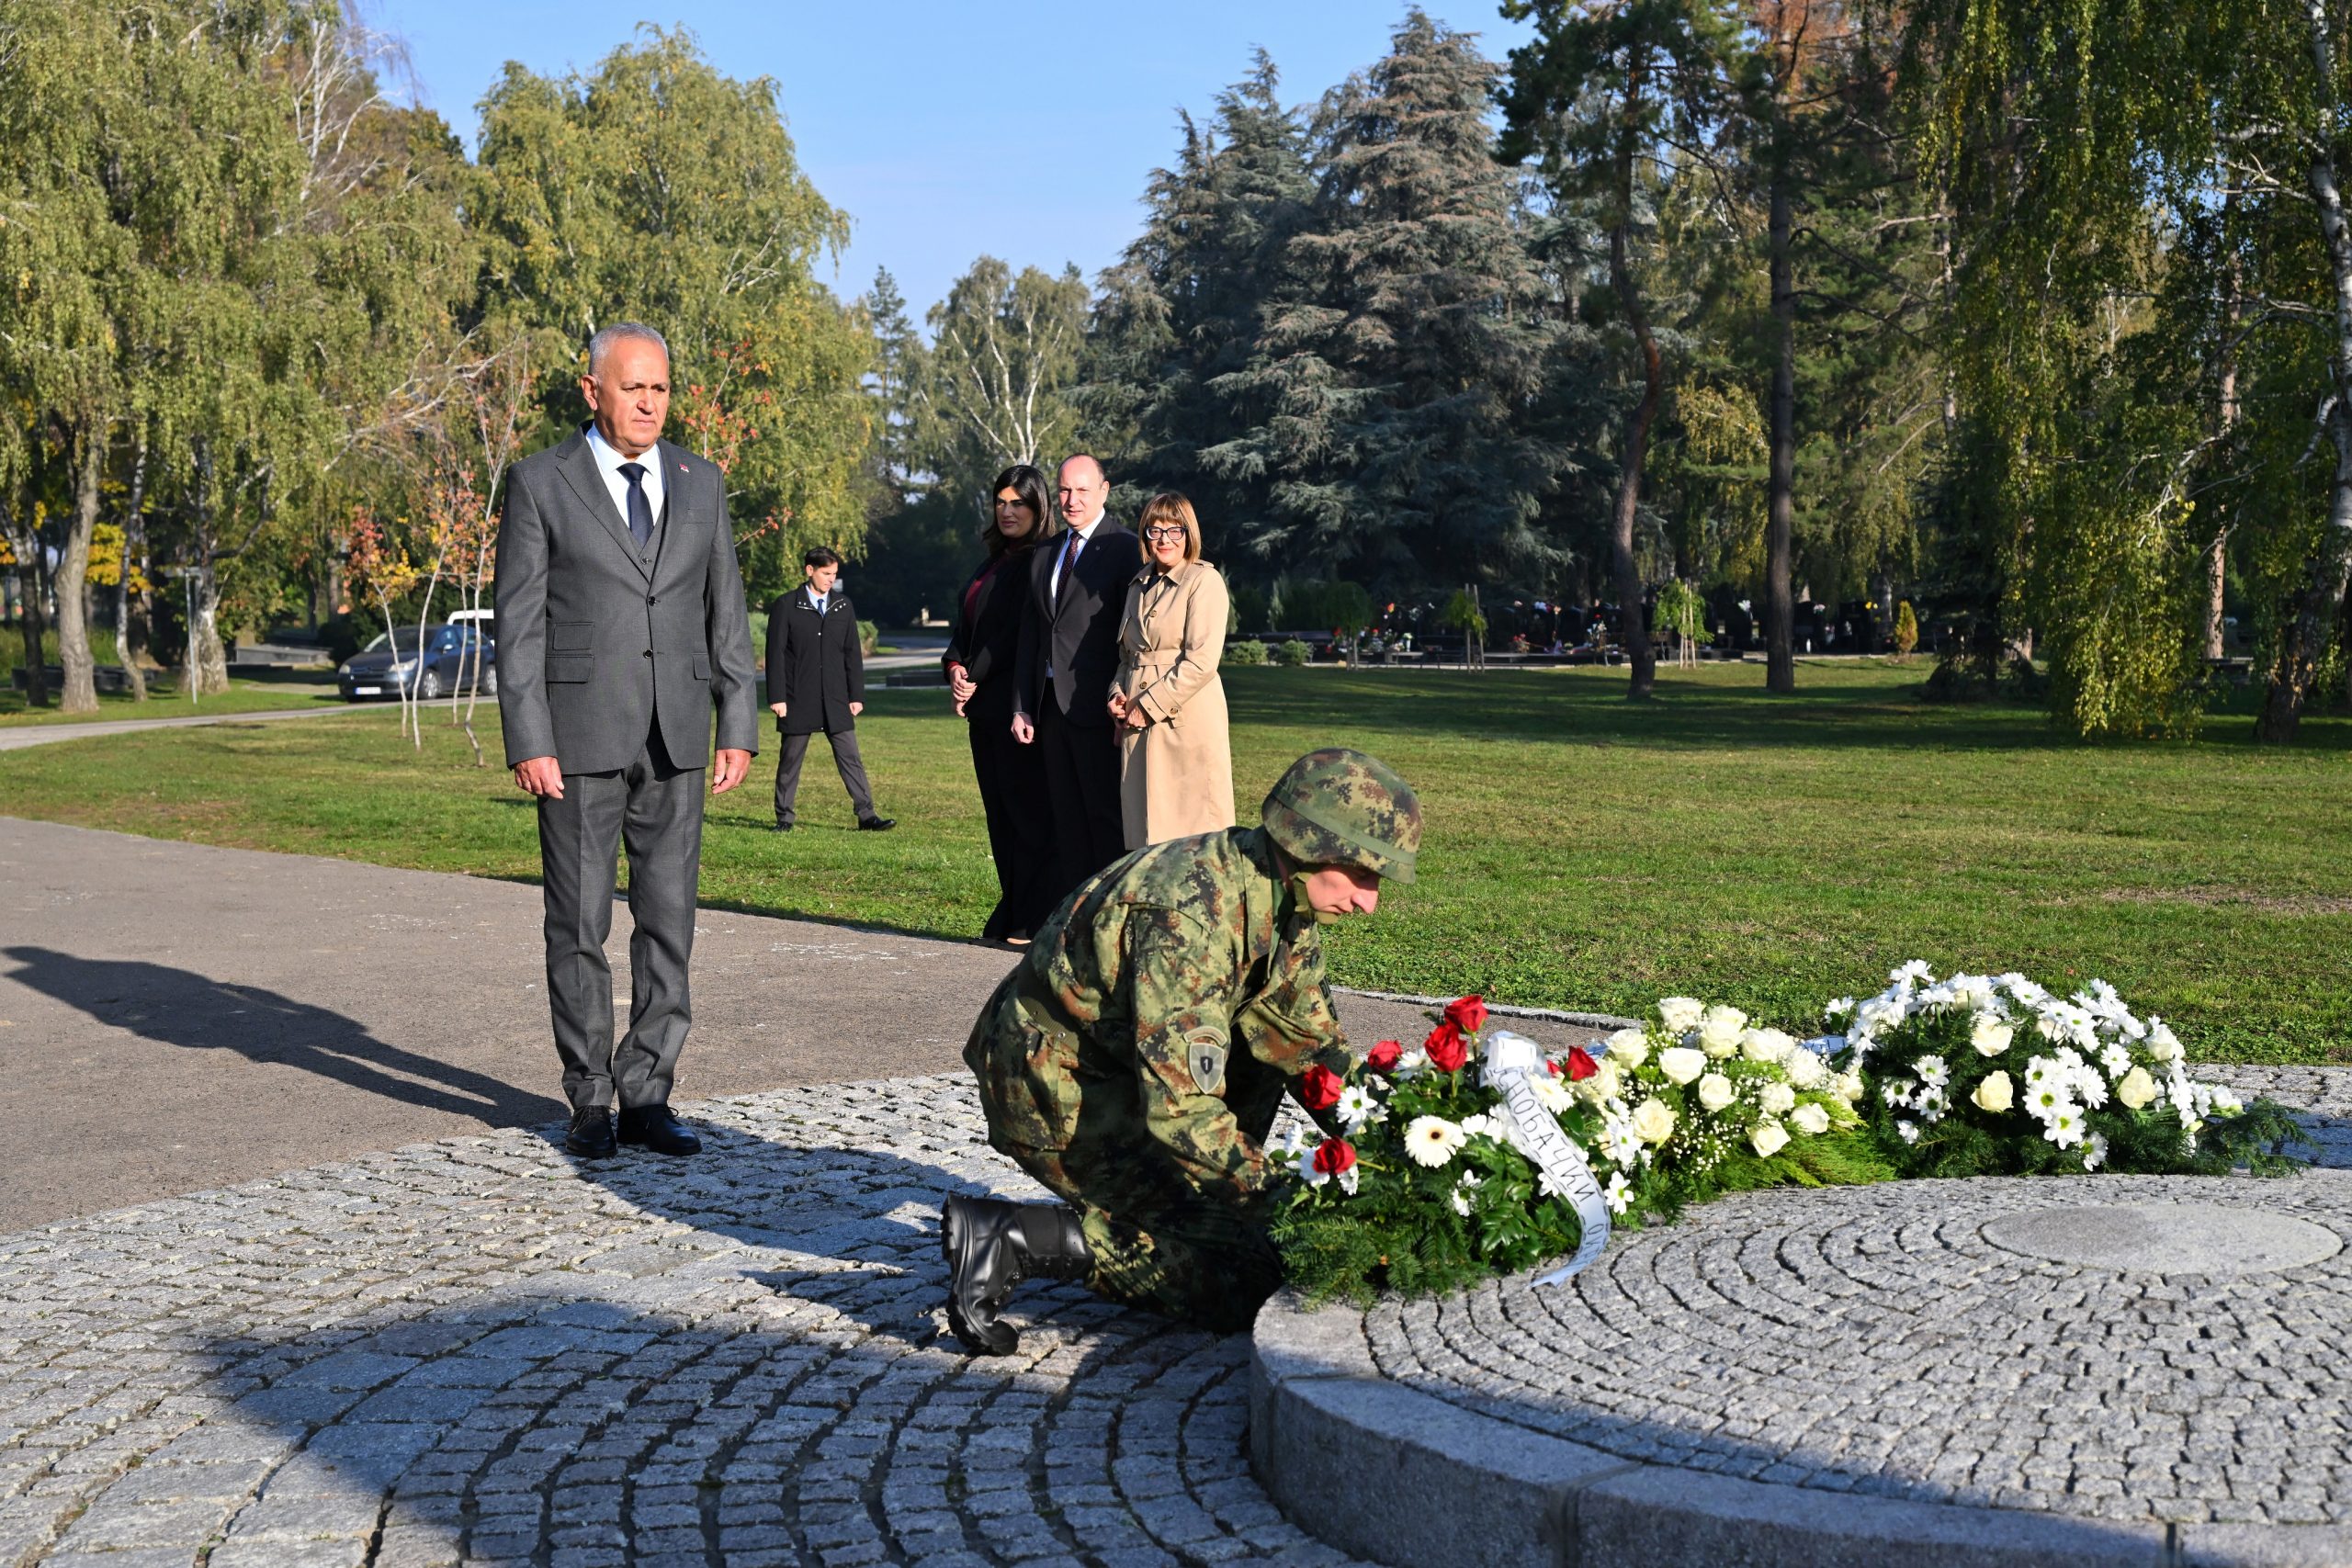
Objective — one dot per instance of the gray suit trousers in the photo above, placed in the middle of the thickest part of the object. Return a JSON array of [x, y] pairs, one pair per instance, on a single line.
[[793, 749], [655, 809]]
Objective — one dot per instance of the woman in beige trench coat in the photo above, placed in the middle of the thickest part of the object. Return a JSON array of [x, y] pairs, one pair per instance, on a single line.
[[1175, 759]]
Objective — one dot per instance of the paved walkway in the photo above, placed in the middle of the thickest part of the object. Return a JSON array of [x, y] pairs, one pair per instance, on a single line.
[[476, 1351], [16, 736], [207, 1016]]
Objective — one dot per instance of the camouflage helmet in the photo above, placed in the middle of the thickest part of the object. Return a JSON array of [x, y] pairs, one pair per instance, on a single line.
[[1341, 807]]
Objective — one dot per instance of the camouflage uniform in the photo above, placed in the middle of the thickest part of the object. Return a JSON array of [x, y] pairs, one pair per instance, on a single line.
[[1135, 1061]]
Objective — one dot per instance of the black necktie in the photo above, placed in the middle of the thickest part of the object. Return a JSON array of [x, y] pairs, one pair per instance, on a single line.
[[641, 511], [1069, 560]]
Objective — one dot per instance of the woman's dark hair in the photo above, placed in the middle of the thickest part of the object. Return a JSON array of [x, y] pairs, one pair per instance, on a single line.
[[1029, 482]]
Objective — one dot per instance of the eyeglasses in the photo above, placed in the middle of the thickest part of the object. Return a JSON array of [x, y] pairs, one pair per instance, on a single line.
[[1171, 534]]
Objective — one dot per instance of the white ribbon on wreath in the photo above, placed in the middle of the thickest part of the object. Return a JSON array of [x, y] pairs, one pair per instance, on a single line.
[[1511, 1063]]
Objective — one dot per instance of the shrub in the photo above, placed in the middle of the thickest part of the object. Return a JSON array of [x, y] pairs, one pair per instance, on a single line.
[[1249, 650], [868, 634], [1293, 652], [1906, 630]]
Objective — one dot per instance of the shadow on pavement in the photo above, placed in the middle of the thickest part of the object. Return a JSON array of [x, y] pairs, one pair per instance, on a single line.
[[178, 1006]]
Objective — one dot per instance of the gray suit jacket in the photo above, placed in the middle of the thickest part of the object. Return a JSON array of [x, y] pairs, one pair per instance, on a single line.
[[596, 642]]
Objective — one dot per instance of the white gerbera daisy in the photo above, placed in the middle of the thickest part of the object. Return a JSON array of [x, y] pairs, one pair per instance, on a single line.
[[1357, 1106], [1617, 1191], [2064, 1127], [1932, 1071], [1432, 1140]]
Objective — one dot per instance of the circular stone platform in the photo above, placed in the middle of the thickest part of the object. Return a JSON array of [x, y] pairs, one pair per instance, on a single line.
[[2087, 1371]]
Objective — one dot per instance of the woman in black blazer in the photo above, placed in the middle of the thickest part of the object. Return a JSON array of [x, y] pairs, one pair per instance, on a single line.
[[978, 662]]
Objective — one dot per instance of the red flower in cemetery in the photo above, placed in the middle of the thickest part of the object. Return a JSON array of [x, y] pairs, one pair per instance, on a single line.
[[1446, 1048], [1318, 1088], [1334, 1156], [1467, 1014], [1580, 1064], [1384, 1057]]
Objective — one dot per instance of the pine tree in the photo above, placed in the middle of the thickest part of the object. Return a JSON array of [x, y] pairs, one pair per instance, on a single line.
[[1397, 357], [1180, 315]]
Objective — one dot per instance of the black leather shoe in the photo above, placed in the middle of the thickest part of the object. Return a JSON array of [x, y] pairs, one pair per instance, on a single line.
[[652, 1127], [876, 824], [784, 827], [592, 1132], [992, 1245]]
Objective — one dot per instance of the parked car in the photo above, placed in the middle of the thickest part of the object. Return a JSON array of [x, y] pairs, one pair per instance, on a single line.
[[389, 664]]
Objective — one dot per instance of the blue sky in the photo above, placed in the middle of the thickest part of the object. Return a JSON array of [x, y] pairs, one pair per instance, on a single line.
[[1025, 128]]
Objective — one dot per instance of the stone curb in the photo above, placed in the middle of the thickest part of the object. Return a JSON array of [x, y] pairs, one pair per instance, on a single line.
[[1404, 1478]]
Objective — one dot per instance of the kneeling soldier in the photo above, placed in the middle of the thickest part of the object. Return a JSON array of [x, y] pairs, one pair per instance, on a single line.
[[1135, 1061]]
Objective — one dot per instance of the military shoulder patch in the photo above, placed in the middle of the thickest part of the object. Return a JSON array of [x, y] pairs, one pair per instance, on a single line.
[[1205, 1053]]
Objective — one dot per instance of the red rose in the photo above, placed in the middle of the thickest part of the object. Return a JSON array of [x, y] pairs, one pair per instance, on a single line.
[[1446, 1049], [1467, 1014], [1384, 1057], [1333, 1156], [1580, 1064], [1318, 1089]]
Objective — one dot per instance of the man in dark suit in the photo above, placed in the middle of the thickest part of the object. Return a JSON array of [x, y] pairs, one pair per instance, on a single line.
[[620, 627], [1070, 655], [817, 682]]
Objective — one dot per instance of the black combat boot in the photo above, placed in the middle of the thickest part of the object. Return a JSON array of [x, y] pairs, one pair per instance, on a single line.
[[992, 1245]]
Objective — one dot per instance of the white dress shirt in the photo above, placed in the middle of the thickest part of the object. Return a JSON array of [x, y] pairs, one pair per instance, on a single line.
[[608, 463], [816, 601], [1065, 556]]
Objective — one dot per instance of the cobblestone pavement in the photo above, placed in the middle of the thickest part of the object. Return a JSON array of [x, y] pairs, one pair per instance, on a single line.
[[1871, 1340], [478, 1350]]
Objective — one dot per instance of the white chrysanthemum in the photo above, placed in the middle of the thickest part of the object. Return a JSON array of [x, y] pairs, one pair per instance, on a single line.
[[2115, 1059], [1461, 1201], [1432, 1140], [1618, 1191], [2064, 1127], [2040, 1071], [1288, 1139], [1974, 992], [1911, 974], [1347, 1181], [1357, 1106], [1880, 1014], [1840, 1008], [1552, 1092], [1306, 1171], [1933, 1071], [1552, 1186], [1413, 1063], [1481, 1125], [1777, 1098], [1620, 1143], [2023, 990], [2089, 1086], [2095, 1155], [1895, 1093], [2226, 1103], [2049, 1101], [1906, 1132]]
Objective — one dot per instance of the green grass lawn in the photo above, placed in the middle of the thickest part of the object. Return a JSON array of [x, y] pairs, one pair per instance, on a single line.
[[1581, 852]]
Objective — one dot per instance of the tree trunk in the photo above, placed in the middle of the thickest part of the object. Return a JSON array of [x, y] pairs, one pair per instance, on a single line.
[[1632, 630], [2217, 572], [1779, 607], [134, 533], [81, 693], [2315, 609], [208, 659]]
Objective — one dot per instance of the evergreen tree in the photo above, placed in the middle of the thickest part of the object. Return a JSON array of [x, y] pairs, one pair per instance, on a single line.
[[1399, 355], [1181, 314]]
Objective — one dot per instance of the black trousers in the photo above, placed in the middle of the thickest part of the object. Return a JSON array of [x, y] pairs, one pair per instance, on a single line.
[[793, 749], [1081, 764], [1021, 838], [655, 809]]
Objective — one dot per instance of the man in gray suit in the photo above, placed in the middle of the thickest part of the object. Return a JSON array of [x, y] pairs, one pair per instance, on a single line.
[[620, 626]]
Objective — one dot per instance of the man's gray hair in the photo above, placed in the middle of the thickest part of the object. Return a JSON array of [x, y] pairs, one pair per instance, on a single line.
[[602, 344]]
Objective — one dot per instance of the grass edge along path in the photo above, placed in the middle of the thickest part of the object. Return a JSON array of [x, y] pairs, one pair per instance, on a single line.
[[1583, 852]]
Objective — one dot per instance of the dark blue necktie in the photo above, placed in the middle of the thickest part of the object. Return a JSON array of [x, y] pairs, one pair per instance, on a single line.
[[641, 511]]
